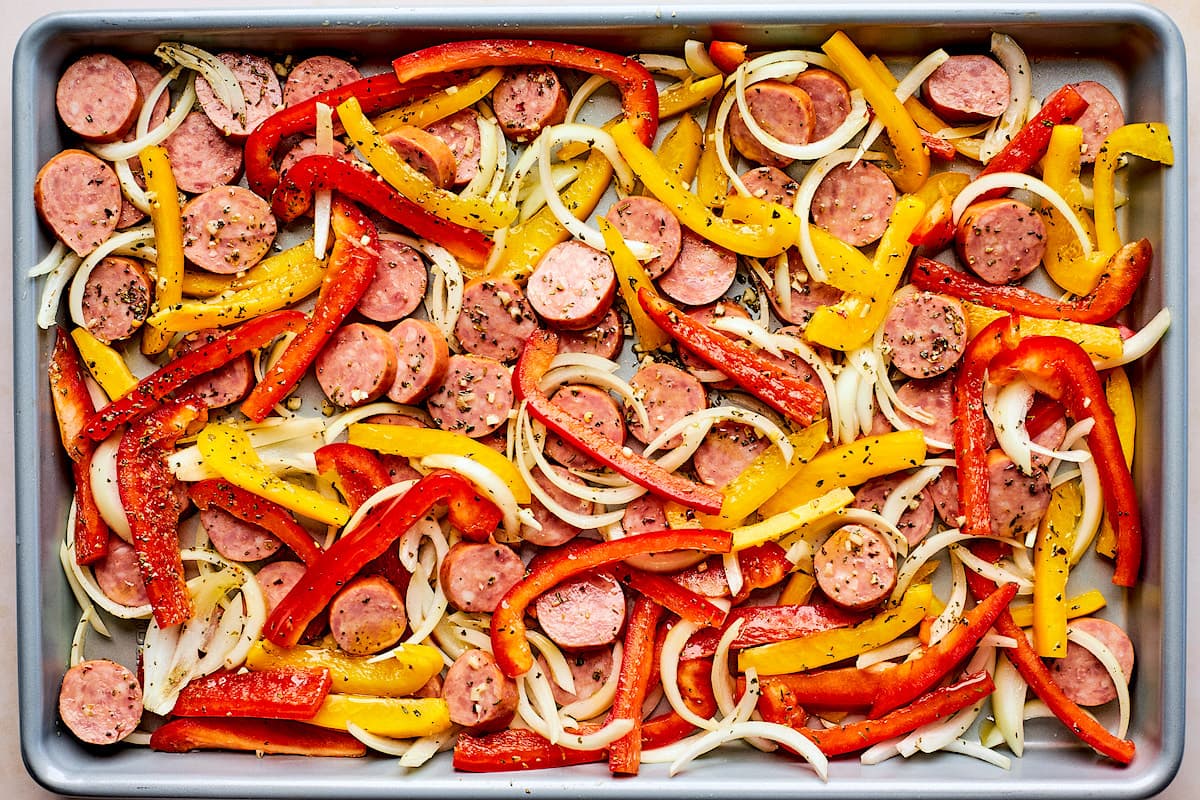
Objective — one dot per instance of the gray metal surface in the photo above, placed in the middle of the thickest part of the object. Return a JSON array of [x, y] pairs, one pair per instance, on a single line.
[[1134, 49]]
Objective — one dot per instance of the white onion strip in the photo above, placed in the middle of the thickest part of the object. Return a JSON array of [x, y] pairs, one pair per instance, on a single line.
[[1018, 180], [338, 423], [1020, 76], [582, 95], [695, 55], [898, 648], [1141, 342], [789, 737], [221, 78], [485, 480], [878, 523], [955, 605], [993, 572], [673, 644], [52, 290], [323, 198], [50, 262], [1092, 511]]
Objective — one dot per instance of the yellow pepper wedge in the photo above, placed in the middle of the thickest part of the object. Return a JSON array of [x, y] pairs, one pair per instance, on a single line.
[[1064, 259], [400, 676], [428, 110], [227, 450], [1080, 605], [852, 321], [849, 465], [1051, 568], [711, 184], [204, 285], [1151, 140], [764, 476], [902, 130], [1119, 394], [846, 267], [476, 213], [827, 647], [631, 276], [779, 525], [166, 217], [679, 152], [752, 227], [104, 363], [1098, 341], [394, 717], [421, 442], [294, 275], [798, 590]]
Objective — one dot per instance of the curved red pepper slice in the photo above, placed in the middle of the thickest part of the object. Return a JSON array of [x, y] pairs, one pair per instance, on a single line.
[[69, 395], [670, 595], [256, 510], [1029, 144], [283, 693], [540, 349], [295, 195], [360, 474], [837, 689], [726, 56], [154, 388], [1120, 280], [791, 396], [937, 146], [352, 265], [633, 680], [254, 736], [91, 532], [639, 95]]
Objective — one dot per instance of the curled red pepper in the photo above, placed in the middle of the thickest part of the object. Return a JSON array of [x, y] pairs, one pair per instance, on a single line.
[[838, 689], [254, 736], [671, 596], [282, 693], [1120, 279], [256, 510], [726, 56], [539, 351], [937, 146], [633, 680], [1029, 144], [359, 472]]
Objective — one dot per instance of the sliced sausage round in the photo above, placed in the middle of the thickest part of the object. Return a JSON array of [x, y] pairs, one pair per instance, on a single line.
[[315, 75], [925, 334], [528, 99], [604, 339], [1102, 117], [227, 229], [480, 696], [116, 298], [277, 579], [1000, 240], [201, 157], [100, 701], [943, 491], [968, 88], [644, 219], [474, 398], [807, 294], [573, 285], [590, 672], [225, 385], [701, 273], [475, 576], [598, 410], [1080, 674], [554, 530], [306, 147], [781, 109], [432, 688], [260, 87], [855, 567], [367, 616], [118, 575], [237, 539], [1017, 501], [357, 365], [78, 196], [830, 99], [496, 319], [854, 203], [425, 153], [460, 132], [917, 518], [399, 283], [727, 449], [771, 184], [934, 396], [585, 612], [669, 394], [422, 358], [98, 98]]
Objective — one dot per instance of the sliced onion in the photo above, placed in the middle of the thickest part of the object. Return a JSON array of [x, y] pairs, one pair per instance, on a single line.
[[323, 198], [225, 85], [1008, 704], [50, 263], [695, 55], [928, 547], [898, 648], [561, 176], [673, 644], [1141, 342], [484, 479], [1020, 76], [598, 739], [595, 375], [380, 744], [488, 180], [993, 572], [787, 736], [722, 681], [878, 523], [976, 750], [88, 592], [581, 96], [804, 200], [949, 618], [904, 90], [559, 669], [881, 752], [964, 132], [845, 397], [660, 64], [1018, 180], [1092, 511], [129, 187], [1007, 408], [103, 477], [122, 151], [529, 445]]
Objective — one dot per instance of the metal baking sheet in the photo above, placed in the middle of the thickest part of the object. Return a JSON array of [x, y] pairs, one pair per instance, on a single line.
[[1135, 50]]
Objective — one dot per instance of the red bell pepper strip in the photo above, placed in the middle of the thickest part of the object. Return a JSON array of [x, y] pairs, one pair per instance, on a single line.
[[359, 472], [283, 693], [1029, 144], [1033, 669], [154, 388], [256, 510], [91, 532], [254, 736], [778, 703], [294, 197], [359, 547], [146, 487], [540, 349], [905, 682], [671, 596], [639, 95], [1061, 369], [937, 146], [839, 689], [936, 229], [637, 664], [766, 624], [1117, 284], [508, 621], [69, 395], [352, 265], [788, 394], [726, 56]]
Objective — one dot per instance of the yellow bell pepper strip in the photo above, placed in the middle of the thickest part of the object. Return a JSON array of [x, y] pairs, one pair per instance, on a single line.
[[766, 229], [394, 717], [227, 450], [632, 276], [849, 465], [104, 363], [830, 646], [207, 284], [679, 152], [778, 525], [166, 216], [1150, 140], [764, 476], [852, 321], [846, 267], [425, 111], [410, 668], [902, 130], [1098, 341], [1081, 605], [420, 442], [472, 212], [294, 275], [798, 590], [1051, 568], [1120, 399], [1064, 259], [712, 184]]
